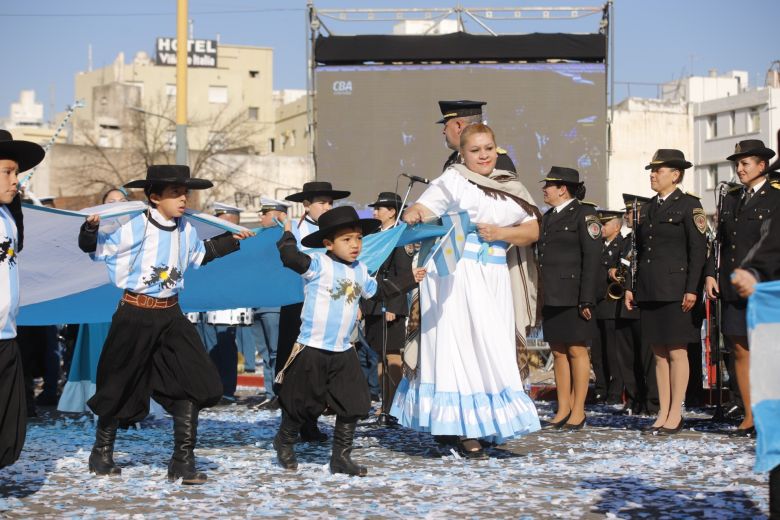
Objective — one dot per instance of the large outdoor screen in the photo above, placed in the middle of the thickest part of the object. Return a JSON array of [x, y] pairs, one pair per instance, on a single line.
[[377, 121]]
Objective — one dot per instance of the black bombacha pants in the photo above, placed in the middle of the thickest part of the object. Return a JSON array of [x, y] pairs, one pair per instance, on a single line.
[[318, 378], [13, 407], [152, 353]]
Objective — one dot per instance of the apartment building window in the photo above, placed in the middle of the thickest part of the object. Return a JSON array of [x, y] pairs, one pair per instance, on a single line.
[[712, 176], [170, 141], [712, 127], [272, 144], [140, 85], [218, 94], [732, 120], [254, 73], [292, 138], [253, 113], [754, 120], [170, 90]]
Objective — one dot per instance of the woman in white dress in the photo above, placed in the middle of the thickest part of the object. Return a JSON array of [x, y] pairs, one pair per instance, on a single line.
[[468, 383]]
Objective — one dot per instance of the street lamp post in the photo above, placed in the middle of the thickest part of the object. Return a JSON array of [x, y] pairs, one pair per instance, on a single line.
[[181, 82]]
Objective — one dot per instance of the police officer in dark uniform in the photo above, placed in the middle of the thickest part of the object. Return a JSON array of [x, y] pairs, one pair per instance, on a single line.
[[609, 383], [569, 251], [744, 209], [671, 247], [457, 115], [634, 358]]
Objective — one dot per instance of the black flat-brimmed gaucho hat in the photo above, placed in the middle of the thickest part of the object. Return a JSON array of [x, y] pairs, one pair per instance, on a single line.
[[337, 218], [317, 189], [387, 199], [668, 157], [25, 153], [750, 147], [173, 174]]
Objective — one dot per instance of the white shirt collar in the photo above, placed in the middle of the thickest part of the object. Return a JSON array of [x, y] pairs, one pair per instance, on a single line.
[[160, 219], [561, 206], [758, 186]]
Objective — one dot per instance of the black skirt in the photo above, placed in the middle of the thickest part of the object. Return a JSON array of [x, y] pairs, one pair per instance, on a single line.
[[13, 406], [318, 378], [565, 325], [733, 318], [396, 333], [665, 323], [152, 352]]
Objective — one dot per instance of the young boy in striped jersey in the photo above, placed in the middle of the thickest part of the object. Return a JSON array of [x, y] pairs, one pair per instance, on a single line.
[[152, 350], [323, 369], [15, 157]]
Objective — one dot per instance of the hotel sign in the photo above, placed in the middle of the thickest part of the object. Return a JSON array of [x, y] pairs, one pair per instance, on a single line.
[[200, 53]]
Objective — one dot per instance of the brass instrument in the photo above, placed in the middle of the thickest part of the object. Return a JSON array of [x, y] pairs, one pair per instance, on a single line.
[[616, 290]]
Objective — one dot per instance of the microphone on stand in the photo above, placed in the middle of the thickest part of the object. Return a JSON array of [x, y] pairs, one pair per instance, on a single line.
[[415, 178]]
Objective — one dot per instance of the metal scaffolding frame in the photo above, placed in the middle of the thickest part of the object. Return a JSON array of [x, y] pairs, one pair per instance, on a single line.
[[483, 17]]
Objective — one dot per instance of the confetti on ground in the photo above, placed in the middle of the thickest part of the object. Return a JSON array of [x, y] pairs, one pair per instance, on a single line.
[[606, 470]]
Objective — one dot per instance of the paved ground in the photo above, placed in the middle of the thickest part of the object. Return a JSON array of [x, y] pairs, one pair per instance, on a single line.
[[607, 470]]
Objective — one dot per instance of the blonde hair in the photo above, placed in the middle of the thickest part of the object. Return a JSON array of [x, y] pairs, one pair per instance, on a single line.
[[476, 128]]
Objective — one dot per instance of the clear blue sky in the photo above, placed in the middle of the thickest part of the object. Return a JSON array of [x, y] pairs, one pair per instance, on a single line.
[[46, 41]]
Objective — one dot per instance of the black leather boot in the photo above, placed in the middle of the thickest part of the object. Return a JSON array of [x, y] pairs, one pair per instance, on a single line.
[[185, 432], [310, 432], [340, 460], [284, 443], [101, 460]]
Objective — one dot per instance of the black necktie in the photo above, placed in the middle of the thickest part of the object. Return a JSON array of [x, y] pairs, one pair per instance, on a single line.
[[660, 201], [748, 195]]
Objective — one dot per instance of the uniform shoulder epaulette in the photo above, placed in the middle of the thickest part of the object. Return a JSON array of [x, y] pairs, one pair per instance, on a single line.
[[692, 195], [735, 188], [775, 184], [501, 150], [588, 203]]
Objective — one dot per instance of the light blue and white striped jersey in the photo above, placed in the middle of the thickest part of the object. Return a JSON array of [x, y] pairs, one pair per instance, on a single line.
[[9, 275], [331, 296], [149, 259], [303, 228]]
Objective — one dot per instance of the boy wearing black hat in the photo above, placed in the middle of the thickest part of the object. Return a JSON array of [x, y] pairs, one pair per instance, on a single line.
[[317, 198], [151, 348], [15, 157], [321, 371]]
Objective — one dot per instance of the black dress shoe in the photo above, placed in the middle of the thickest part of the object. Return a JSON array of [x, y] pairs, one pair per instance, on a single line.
[[446, 440], [671, 431], [549, 425], [650, 430], [743, 432], [573, 427], [471, 451]]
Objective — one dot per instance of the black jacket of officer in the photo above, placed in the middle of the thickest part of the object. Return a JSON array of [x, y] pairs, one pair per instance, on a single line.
[[569, 250], [397, 265], [740, 221], [672, 248], [762, 259], [606, 308]]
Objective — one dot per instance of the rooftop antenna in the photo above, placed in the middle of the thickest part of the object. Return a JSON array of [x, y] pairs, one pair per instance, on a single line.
[[89, 58]]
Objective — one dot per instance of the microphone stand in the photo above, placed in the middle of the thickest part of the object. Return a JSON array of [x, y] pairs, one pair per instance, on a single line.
[[403, 203], [715, 330]]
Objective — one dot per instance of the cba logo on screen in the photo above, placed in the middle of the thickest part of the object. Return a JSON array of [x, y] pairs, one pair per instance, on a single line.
[[342, 88]]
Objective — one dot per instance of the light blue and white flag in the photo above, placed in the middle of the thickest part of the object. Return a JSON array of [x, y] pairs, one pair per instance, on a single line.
[[764, 337], [60, 284], [450, 249]]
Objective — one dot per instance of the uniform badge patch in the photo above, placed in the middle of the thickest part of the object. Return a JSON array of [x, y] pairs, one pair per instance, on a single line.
[[700, 219], [593, 226]]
